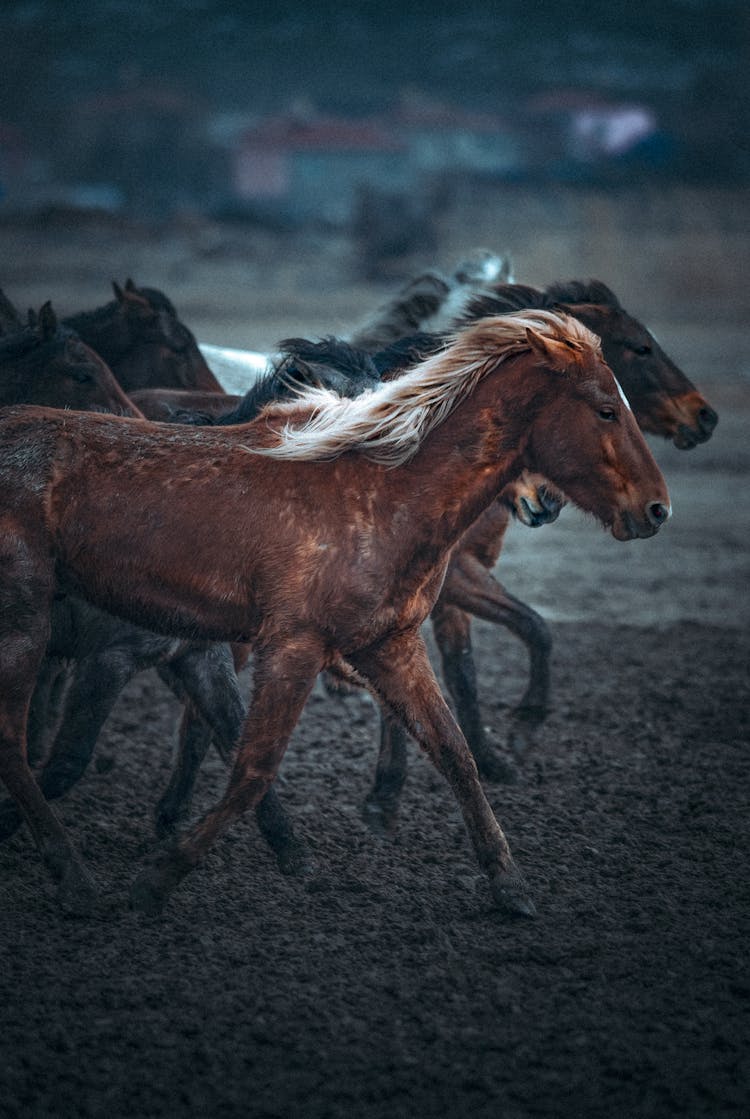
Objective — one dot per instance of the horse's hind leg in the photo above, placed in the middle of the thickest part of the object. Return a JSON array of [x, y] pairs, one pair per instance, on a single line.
[[473, 590], [400, 672], [284, 677], [215, 710], [21, 658], [96, 684], [46, 709]]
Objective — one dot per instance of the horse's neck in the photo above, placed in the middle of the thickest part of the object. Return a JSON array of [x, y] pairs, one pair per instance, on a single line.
[[457, 473]]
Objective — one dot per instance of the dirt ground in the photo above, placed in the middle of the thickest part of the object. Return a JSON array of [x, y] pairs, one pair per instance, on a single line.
[[386, 987]]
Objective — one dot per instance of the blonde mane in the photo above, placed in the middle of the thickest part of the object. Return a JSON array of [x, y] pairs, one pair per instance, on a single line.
[[388, 424]]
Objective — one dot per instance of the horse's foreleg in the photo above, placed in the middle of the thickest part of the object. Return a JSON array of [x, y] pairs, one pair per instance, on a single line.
[[195, 737], [283, 680], [204, 679], [473, 589], [400, 672], [215, 710], [452, 628], [381, 804]]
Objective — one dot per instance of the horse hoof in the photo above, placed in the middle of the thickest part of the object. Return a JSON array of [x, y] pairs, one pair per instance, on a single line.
[[492, 767], [295, 860], [10, 821], [77, 893], [510, 892], [380, 820], [147, 895]]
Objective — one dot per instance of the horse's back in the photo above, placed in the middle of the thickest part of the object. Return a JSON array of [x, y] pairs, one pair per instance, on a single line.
[[28, 438]]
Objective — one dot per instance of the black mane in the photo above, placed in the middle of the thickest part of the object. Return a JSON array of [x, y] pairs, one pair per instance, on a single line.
[[329, 363], [406, 352], [503, 299], [581, 291]]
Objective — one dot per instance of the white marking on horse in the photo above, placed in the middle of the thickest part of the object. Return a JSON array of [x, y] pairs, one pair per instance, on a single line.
[[622, 394]]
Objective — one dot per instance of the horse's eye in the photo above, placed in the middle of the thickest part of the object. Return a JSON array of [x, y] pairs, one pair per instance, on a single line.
[[607, 413], [80, 376], [641, 351]]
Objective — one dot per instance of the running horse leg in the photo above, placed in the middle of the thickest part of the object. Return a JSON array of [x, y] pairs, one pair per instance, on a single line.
[[97, 682], [25, 598], [471, 589], [400, 673], [381, 805], [207, 679], [284, 675]]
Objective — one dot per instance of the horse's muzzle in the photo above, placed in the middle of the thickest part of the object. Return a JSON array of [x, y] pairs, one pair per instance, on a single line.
[[540, 512], [688, 436], [630, 527]]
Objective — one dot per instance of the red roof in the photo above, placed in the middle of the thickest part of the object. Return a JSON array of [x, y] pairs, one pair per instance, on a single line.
[[322, 134]]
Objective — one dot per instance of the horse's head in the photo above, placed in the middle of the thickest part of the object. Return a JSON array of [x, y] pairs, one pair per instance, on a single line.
[[586, 440], [533, 500], [664, 401], [47, 363], [160, 349]]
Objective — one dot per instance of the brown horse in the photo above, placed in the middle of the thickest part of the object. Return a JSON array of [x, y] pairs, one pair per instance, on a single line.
[[101, 653], [665, 403], [141, 338], [91, 653], [320, 533], [46, 363]]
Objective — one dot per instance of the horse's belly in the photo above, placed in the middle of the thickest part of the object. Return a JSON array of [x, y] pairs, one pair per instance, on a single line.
[[203, 607]]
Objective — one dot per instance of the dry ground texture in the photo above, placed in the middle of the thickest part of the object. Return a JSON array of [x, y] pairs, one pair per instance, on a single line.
[[387, 986]]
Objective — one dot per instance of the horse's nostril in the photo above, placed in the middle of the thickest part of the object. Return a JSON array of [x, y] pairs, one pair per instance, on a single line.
[[707, 418], [657, 513]]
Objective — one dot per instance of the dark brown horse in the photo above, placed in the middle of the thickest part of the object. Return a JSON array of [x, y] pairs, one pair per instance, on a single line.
[[320, 533], [141, 338], [46, 363], [665, 403]]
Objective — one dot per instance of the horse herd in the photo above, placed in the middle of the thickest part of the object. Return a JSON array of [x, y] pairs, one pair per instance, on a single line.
[[150, 519]]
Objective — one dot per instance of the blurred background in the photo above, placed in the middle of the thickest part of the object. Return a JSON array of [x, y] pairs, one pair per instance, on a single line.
[[367, 140], [287, 108]]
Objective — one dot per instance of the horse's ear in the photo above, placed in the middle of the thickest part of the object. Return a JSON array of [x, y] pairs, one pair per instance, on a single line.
[[556, 353], [47, 321], [131, 301], [541, 346], [31, 318]]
